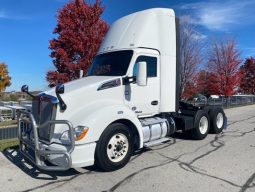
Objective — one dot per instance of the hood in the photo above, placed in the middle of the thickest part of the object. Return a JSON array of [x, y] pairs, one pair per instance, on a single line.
[[83, 93], [90, 82]]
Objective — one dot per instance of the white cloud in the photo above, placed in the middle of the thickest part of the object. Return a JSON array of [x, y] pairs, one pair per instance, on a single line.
[[186, 19], [3, 15], [198, 36], [220, 15]]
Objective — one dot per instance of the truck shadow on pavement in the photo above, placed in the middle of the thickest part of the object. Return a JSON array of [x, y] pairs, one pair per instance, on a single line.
[[15, 157]]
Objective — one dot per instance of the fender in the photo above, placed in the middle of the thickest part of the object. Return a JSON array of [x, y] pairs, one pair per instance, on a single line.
[[99, 120]]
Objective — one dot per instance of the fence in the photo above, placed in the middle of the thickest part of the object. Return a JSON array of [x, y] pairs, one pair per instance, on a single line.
[[8, 122], [229, 102], [8, 134], [8, 129]]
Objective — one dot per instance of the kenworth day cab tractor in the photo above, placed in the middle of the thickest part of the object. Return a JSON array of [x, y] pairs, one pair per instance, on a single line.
[[128, 100]]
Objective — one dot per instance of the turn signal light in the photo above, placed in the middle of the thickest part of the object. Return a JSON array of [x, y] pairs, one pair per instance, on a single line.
[[80, 132]]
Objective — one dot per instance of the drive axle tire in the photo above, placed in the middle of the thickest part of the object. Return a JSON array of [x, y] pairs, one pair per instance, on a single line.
[[114, 148], [217, 118], [201, 126]]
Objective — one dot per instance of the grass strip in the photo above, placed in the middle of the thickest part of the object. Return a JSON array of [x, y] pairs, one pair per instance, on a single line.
[[8, 143], [3, 124]]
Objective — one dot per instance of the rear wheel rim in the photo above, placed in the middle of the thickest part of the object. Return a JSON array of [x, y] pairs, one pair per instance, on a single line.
[[219, 120], [117, 147], [203, 125]]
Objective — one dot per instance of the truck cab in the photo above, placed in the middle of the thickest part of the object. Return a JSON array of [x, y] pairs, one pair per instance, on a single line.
[[128, 100]]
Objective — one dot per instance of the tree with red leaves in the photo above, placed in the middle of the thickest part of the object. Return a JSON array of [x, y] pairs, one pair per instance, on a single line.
[[191, 45], [190, 90], [80, 31], [207, 83], [224, 62], [247, 84], [202, 82]]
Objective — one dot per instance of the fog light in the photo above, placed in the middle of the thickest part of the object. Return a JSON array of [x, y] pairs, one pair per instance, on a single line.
[[65, 136]]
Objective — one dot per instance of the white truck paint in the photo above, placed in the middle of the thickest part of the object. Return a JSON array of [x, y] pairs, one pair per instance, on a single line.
[[128, 101]]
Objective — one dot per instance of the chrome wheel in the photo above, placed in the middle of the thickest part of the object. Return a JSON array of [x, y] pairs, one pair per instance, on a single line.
[[203, 125], [219, 120], [117, 147]]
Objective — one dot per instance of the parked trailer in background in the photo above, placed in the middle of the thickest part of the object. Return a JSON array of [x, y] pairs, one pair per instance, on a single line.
[[5, 103], [129, 100], [14, 103], [5, 113], [16, 110], [25, 102], [28, 107]]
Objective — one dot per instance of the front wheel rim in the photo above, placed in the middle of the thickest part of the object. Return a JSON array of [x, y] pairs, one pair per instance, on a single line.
[[203, 125], [117, 147]]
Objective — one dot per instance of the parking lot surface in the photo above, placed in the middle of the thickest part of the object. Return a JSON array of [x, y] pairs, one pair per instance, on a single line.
[[224, 162]]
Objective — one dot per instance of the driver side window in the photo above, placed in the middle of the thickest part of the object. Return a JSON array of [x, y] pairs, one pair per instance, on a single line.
[[151, 65]]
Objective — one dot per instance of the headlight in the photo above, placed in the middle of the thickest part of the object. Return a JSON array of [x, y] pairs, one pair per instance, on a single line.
[[79, 133]]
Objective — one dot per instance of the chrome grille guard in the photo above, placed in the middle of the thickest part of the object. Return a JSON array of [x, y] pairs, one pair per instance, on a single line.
[[27, 128]]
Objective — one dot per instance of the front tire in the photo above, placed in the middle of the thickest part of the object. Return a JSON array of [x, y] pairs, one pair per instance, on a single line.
[[201, 126], [115, 147]]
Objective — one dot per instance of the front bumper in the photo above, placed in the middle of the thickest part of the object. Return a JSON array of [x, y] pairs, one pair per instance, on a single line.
[[36, 151]]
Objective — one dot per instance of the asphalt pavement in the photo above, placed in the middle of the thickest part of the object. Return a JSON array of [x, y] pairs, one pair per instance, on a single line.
[[219, 163]]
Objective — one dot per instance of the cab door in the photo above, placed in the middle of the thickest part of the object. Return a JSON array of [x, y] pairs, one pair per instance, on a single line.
[[144, 100]]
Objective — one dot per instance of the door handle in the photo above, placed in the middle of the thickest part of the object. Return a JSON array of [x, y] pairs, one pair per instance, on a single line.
[[154, 102]]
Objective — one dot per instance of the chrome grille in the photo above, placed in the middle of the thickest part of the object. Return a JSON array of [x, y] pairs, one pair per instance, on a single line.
[[44, 109]]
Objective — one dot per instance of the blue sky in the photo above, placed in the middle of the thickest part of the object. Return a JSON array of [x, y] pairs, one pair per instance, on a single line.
[[26, 27]]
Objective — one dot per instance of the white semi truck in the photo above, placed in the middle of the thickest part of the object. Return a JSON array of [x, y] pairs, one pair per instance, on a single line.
[[128, 100]]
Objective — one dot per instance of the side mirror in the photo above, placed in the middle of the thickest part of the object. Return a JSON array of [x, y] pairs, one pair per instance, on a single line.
[[60, 88], [141, 78], [24, 88]]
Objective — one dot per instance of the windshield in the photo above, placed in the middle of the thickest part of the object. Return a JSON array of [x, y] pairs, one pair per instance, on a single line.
[[111, 64]]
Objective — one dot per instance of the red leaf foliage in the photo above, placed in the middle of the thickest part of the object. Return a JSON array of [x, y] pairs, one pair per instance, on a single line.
[[207, 83], [224, 62], [190, 88], [80, 31], [247, 84]]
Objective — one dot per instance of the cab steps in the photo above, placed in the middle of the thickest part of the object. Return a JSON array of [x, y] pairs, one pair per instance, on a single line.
[[156, 142]]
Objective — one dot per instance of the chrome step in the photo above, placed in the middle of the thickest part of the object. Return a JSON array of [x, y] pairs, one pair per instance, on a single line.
[[156, 142]]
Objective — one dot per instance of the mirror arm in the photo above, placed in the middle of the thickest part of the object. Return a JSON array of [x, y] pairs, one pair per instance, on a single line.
[[30, 94], [128, 80]]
